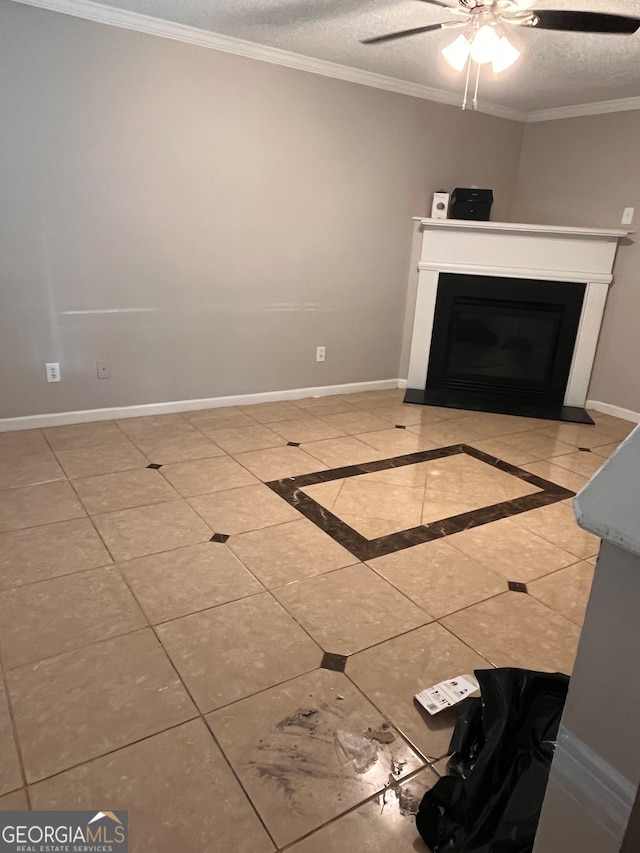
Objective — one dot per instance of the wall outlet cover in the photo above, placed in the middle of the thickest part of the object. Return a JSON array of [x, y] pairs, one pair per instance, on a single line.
[[53, 371]]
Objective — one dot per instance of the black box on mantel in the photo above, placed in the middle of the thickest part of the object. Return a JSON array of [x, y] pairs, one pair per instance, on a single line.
[[471, 204]]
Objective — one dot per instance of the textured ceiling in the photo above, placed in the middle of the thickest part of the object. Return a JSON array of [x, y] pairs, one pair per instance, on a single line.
[[555, 70]]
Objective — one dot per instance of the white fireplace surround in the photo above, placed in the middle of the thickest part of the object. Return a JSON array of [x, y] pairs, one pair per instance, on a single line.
[[514, 250]]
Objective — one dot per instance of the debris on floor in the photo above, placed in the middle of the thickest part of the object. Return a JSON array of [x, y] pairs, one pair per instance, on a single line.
[[408, 802], [382, 735], [445, 694], [303, 718], [396, 768], [358, 749]]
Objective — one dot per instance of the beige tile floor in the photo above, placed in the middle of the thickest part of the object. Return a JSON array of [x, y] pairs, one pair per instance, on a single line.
[[150, 668]]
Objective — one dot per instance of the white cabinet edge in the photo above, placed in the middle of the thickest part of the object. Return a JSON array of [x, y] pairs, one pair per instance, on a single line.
[[608, 505]]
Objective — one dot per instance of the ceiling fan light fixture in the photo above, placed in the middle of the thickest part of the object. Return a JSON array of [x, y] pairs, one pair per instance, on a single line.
[[504, 56], [485, 45], [457, 53]]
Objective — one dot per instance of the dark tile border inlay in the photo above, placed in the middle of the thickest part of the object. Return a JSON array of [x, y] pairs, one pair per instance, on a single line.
[[293, 444], [400, 426], [219, 537], [337, 663], [585, 449], [516, 586], [290, 488], [154, 465]]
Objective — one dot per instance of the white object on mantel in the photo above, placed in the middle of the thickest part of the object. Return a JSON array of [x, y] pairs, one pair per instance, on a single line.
[[516, 250], [592, 801]]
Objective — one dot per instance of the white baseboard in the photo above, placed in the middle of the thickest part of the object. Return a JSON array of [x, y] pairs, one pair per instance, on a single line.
[[614, 411], [62, 418], [598, 788]]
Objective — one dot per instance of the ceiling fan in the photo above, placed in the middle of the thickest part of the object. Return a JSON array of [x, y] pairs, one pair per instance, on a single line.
[[485, 24]]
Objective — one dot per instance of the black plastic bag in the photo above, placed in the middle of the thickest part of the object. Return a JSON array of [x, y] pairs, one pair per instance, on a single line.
[[501, 753]]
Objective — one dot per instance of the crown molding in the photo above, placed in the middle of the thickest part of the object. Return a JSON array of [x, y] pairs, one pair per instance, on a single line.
[[138, 22], [592, 109]]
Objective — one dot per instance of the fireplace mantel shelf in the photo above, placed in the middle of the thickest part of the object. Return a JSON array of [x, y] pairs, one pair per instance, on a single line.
[[468, 224]]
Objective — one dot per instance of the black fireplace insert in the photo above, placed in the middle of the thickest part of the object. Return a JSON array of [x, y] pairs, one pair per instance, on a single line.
[[503, 345]]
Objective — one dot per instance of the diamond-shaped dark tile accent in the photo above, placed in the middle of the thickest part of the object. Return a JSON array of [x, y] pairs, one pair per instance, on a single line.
[[400, 426], [154, 465], [585, 449], [219, 537], [293, 444], [516, 586], [337, 663]]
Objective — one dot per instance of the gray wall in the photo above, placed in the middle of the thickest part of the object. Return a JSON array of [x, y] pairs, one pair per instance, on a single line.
[[596, 767], [205, 220], [585, 171]]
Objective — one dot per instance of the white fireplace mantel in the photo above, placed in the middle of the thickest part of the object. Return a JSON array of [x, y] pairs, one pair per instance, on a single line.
[[516, 250]]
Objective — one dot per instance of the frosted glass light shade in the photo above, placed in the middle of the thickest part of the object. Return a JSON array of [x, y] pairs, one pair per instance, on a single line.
[[457, 53], [485, 45], [504, 56]]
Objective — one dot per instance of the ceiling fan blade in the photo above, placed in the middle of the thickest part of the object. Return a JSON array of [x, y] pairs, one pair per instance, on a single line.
[[585, 22], [402, 34], [438, 3]]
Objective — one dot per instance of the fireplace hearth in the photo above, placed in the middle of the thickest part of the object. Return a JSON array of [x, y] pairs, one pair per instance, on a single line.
[[507, 317]]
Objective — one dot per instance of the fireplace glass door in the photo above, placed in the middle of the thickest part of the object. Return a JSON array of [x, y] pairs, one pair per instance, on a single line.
[[504, 336]]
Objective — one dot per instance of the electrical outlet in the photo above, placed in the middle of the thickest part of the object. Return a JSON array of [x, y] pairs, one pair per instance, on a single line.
[[103, 367], [320, 353], [53, 371], [627, 215]]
